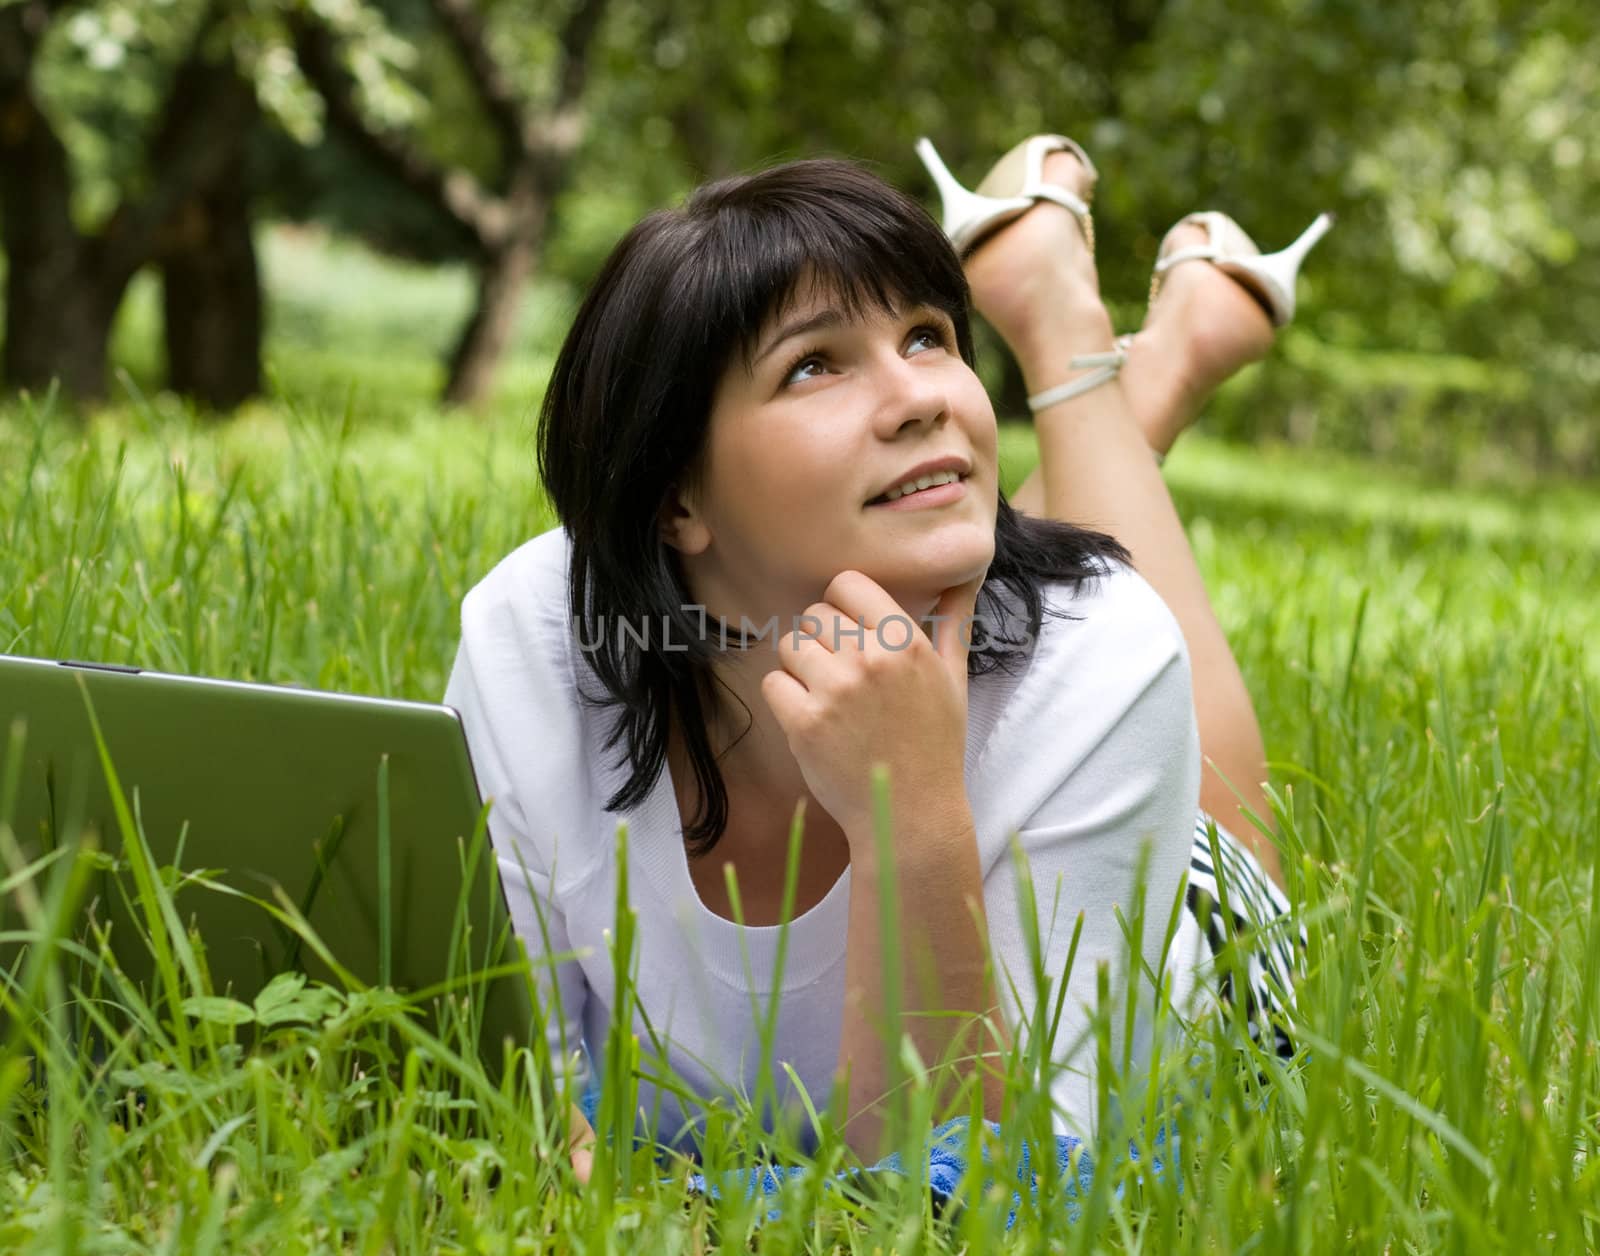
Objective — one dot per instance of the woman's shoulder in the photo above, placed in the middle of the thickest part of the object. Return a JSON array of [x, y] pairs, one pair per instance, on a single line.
[[514, 622], [1107, 649], [529, 582], [1114, 611], [1112, 618], [1112, 641]]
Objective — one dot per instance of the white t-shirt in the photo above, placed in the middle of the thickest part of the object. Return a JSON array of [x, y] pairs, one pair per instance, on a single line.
[[1089, 752]]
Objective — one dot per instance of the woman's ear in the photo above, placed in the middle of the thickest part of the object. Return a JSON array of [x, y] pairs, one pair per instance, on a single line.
[[681, 523]]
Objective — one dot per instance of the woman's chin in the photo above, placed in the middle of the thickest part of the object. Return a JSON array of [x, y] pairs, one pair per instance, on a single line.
[[919, 588]]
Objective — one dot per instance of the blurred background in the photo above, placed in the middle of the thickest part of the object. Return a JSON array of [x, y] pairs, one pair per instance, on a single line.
[[385, 205]]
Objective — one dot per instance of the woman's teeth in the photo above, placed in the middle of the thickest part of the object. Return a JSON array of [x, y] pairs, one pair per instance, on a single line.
[[922, 482]]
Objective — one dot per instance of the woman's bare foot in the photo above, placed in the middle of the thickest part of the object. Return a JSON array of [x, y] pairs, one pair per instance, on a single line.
[[1034, 279], [1202, 328]]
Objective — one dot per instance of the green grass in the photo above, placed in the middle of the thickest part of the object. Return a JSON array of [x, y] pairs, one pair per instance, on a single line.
[[1419, 659]]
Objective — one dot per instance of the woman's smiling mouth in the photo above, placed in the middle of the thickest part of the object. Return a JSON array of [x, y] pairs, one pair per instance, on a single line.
[[925, 480], [936, 489]]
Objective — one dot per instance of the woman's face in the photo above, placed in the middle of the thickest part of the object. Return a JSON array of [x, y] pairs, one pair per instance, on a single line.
[[811, 437]]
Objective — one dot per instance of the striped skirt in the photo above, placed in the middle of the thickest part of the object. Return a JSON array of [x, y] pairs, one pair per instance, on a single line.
[[1243, 903]]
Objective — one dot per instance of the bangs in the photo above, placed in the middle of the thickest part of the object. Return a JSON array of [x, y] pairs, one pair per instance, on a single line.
[[772, 240]]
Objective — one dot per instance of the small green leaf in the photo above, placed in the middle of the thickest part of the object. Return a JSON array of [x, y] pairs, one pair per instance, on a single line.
[[218, 1010], [283, 986], [103, 860], [285, 998], [156, 1077]]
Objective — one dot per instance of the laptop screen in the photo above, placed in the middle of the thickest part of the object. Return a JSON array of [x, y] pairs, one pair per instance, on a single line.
[[360, 815]]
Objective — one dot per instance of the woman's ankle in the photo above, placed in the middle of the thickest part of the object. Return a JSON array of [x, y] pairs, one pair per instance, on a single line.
[[1162, 387], [1033, 301], [1073, 323]]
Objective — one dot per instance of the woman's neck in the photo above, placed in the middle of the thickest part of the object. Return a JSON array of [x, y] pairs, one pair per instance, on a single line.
[[751, 751]]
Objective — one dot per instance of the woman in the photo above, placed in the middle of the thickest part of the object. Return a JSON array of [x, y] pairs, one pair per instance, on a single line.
[[777, 481]]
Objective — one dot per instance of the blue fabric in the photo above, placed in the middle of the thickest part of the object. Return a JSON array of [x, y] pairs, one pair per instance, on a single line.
[[947, 1165]]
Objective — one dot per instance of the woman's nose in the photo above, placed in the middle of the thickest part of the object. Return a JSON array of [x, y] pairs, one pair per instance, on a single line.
[[909, 395]]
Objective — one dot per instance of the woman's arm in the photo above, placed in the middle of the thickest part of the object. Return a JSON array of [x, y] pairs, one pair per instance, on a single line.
[[945, 991], [1102, 767], [844, 709], [1102, 774], [494, 686]]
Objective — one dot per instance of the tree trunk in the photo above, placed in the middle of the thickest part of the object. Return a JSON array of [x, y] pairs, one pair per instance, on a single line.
[[58, 316], [502, 276], [57, 337], [211, 297], [58, 311], [63, 287]]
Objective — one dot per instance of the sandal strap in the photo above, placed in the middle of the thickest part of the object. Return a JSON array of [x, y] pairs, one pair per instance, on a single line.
[[1072, 202], [1060, 195], [1194, 253], [1107, 366]]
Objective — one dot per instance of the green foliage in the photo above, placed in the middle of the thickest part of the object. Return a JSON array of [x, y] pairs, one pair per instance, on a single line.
[[103, 69], [1453, 140], [101, 72]]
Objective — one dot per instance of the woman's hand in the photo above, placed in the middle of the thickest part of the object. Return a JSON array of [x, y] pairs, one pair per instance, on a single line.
[[888, 694], [580, 1145]]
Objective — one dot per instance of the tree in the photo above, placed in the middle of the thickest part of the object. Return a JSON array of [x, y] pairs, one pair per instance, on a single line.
[[126, 138], [505, 222], [64, 283]]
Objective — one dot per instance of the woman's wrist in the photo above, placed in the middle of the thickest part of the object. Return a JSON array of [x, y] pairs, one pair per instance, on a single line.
[[927, 827]]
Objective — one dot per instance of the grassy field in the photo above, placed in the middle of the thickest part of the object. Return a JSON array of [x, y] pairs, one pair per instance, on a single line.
[[1419, 658]]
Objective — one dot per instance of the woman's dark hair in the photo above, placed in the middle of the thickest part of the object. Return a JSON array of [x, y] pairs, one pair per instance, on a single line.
[[629, 402]]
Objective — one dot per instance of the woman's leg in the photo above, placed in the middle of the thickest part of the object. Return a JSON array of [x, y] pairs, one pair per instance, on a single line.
[[1035, 282]]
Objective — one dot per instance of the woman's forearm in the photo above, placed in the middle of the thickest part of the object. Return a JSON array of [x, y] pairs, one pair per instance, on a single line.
[[937, 956]]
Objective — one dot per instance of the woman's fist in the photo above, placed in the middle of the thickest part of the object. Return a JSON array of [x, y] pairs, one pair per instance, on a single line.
[[860, 683]]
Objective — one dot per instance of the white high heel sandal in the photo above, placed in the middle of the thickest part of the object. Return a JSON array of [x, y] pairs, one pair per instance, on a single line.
[[1270, 276], [1011, 187]]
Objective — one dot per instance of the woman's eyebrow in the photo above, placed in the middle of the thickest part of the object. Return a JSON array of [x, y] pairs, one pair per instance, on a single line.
[[822, 320], [924, 310]]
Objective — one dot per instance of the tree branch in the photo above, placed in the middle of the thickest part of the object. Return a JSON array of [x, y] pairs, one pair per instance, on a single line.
[[507, 108], [454, 192], [576, 36], [559, 131]]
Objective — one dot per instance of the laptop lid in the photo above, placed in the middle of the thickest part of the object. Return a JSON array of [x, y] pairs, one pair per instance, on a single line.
[[266, 786]]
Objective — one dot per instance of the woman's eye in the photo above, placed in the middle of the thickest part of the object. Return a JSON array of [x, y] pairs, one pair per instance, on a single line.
[[803, 369], [928, 337]]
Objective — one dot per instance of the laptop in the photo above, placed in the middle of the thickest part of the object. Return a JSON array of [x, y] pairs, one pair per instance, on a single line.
[[363, 812]]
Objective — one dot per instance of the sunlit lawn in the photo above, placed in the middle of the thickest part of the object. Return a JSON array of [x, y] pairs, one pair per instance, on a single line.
[[1420, 660]]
